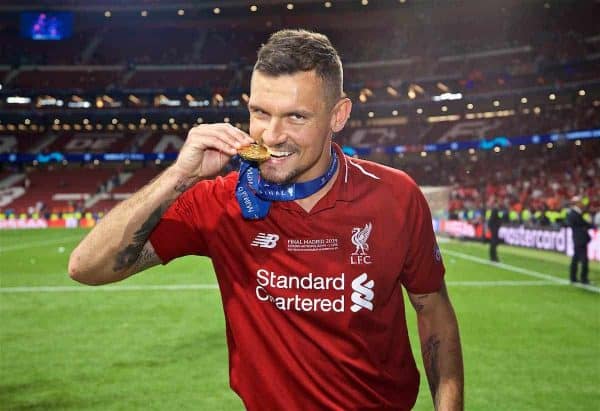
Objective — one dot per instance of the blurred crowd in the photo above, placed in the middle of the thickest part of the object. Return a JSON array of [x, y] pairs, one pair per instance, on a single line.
[[530, 190]]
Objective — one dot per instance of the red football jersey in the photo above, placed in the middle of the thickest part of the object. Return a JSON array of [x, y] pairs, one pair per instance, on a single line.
[[313, 301]]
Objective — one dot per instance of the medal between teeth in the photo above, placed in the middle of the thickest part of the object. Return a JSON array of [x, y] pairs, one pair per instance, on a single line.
[[255, 152]]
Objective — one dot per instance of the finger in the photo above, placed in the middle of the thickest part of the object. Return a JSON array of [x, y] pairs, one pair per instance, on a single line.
[[199, 137], [230, 133], [221, 143], [240, 135], [236, 133]]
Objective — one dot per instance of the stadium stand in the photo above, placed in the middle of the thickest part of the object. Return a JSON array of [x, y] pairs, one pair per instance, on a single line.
[[59, 190], [137, 180], [536, 73], [22, 141], [96, 142], [75, 78], [160, 77], [541, 180]]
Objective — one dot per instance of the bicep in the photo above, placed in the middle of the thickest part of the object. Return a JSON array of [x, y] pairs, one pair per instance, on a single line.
[[146, 259]]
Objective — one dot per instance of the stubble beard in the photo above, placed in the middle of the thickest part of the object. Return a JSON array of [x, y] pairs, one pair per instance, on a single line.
[[288, 178]]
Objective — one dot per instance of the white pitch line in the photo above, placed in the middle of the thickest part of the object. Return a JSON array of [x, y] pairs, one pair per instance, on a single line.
[[24, 246], [501, 283], [177, 287], [545, 280], [520, 270]]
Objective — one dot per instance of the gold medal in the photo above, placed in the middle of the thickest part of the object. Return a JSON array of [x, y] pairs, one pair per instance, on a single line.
[[255, 152]]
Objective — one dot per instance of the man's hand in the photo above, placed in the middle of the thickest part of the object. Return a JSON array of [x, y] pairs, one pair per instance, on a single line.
[[118, 245], [208, 148]]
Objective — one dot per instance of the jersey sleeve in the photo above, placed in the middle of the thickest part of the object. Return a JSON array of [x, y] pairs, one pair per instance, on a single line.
[[180, 230], [423, 271]]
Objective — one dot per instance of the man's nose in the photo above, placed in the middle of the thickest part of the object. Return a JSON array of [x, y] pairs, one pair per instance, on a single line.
[[274, 134]]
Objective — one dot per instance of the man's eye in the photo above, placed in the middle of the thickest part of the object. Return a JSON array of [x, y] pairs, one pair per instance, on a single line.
[[297, 116]]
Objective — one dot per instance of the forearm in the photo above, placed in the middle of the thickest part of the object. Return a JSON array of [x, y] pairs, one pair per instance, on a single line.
[[108, 253], [442, 359]]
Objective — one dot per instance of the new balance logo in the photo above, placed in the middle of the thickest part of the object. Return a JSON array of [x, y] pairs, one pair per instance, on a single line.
[[363, 293], [265, 240]]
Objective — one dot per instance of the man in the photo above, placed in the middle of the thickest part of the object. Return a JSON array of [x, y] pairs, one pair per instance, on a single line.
[[310, 248], [494, 223], [581, 238]]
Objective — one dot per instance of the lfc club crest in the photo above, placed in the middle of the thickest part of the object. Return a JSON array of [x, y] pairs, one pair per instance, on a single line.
[[360, 236]]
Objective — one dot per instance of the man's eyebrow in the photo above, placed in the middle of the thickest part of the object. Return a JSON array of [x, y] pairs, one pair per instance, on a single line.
[[254, 107], [300, 111], [304, 113]]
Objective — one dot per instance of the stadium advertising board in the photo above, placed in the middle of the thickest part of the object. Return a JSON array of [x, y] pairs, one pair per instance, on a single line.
[[559, 240], [538, 238], [551, 239], [24, 223], [458, 229]]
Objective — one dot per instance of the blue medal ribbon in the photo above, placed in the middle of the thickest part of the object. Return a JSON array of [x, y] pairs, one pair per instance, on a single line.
[[255, 195]]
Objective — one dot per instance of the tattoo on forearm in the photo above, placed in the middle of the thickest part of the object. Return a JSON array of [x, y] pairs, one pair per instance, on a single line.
[[431, 363], [131, 253], [419, 302], [147, 258], [184, 184]]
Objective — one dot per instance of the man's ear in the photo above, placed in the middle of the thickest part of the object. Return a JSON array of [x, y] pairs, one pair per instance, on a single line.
[[340, 114]]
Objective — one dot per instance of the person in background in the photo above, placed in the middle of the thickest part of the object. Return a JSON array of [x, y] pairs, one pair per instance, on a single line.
[[597, 218], [581, 238], [494, 223]]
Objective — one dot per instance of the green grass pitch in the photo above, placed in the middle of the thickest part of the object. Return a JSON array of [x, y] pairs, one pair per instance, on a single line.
[[530, 341]]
